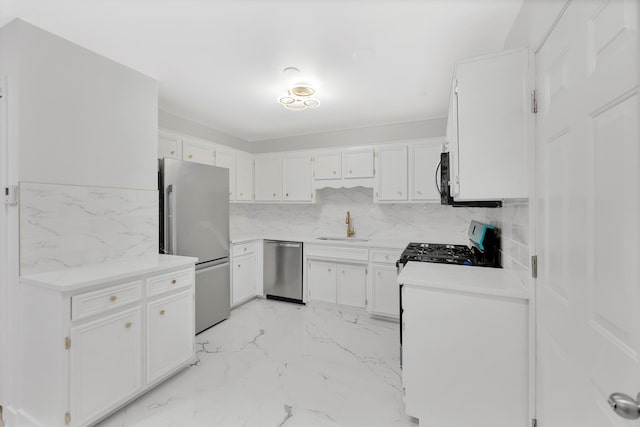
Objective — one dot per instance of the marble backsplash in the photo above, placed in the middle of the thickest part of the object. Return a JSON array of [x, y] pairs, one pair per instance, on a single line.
[[415, 222], [64, 226]]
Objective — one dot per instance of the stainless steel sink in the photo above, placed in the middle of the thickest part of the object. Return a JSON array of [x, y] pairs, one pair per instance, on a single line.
[[344, 239]]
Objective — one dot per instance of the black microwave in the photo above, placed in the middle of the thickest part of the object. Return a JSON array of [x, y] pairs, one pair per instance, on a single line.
[[445, 188]]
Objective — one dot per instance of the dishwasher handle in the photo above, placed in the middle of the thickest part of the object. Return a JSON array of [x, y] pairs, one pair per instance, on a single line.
[[284, 244]]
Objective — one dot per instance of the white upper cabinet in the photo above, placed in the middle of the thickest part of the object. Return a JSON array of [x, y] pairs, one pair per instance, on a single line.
[[244, 178], [423, 162], [492, 126], [226, 159], [198, 151], [327, 166], [391, 184], [268, 182], [169, 146], [297, 178], [357, 163]]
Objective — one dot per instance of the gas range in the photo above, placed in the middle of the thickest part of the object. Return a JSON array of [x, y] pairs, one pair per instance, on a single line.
[[483, 251]]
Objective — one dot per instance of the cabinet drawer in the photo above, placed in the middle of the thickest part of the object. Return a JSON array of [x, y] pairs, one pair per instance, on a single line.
[[90, 303], [243, 249], [385, 256], [169, 281], [338, 252]]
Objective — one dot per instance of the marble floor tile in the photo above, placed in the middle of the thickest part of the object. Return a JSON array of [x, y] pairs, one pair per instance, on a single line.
[[280, 364]]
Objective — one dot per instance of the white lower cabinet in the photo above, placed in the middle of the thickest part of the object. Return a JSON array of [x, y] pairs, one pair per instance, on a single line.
[[385, 294], [105, 363], [80, 365], [244, 278], [337, 283], [352, 285], [322, 281], [170, 337]]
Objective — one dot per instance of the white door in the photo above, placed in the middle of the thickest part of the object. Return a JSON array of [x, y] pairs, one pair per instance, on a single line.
[[244, 178], [384, 291], [322, 281], [244, 275], [225, 159], [392, 173], [296, 178], [170, 334], [327, 166], [268, 182], [105, 363], [196, 151], [424, 160], [352, 285], [587, 197], [357, 163]]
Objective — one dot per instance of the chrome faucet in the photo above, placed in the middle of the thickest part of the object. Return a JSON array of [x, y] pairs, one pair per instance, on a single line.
[[350, 231]]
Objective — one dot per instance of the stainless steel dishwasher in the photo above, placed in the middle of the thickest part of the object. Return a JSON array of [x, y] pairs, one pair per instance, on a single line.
[[283, 270]]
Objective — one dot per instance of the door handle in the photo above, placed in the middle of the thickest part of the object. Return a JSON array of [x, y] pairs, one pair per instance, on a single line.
[[625, 405]]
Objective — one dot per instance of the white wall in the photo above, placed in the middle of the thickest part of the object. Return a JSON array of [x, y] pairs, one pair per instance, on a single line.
[[83, 119], [533, 22], [179, 124], [363, 136]]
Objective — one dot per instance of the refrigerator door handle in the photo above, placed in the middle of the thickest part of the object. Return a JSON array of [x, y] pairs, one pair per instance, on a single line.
[[171, 217]]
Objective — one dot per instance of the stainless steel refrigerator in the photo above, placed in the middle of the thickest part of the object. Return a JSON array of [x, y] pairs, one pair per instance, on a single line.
[[194, 221]]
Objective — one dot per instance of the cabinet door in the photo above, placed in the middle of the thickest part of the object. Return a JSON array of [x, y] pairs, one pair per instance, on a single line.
[[244, 178], [492, 126], [225, 159], [268, 183], [357, 163], [322, 281], [196, 151], [327, 166], [392, 173], [170, 334], [296, 178], [352, 285], [105, 363], [244, 278], [385, 291], [424, 160], [169, 146]]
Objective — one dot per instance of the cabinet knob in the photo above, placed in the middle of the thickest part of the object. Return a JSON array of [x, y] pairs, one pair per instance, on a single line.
[[287, 194], [329, 270], [274, 194], [162, 312], [399, 193], [190, 156], [173, 151], [173, 282], [244, 249], [387, 258], [334, 172], [127, 325], [113, 298], [419, 192], [350, 171], [242, 194], [238, 265]]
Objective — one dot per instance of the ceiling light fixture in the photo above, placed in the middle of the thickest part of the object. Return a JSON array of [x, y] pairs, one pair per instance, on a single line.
[[299, 98]]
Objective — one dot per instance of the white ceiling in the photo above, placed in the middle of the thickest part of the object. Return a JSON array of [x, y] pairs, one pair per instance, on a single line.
[[220, 62]]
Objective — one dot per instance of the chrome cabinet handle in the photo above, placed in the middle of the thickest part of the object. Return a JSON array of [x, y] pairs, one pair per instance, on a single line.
[[625, 405]]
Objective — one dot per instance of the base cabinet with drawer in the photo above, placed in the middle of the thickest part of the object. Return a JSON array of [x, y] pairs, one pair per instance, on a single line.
[[94, 344], [337, 274], [246, 278]]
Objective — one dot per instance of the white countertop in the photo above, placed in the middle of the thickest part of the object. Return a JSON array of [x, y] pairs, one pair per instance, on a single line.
[[478, 280], [89, 276], [369, 243]]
